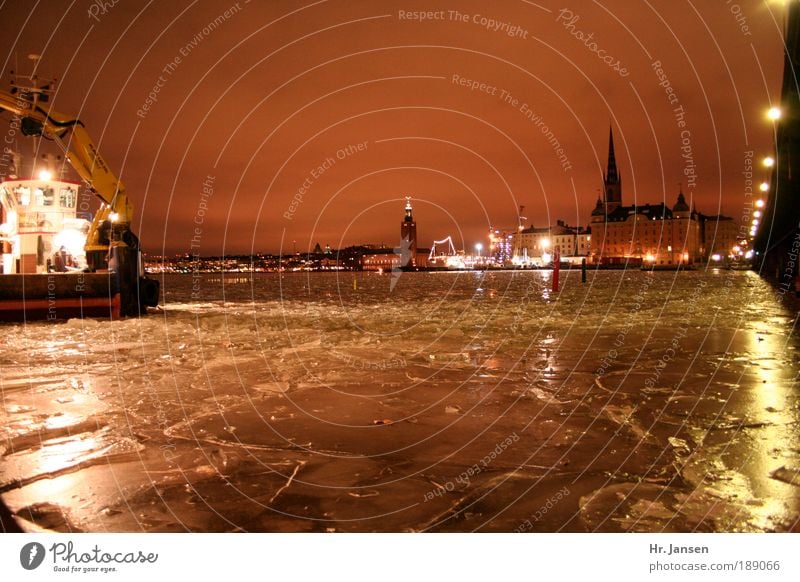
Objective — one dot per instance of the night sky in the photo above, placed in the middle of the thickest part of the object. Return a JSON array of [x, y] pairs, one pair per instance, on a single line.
[[252, 141]]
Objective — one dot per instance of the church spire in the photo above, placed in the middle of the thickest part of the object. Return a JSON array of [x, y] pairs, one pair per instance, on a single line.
[[612, 185], [612, 176]]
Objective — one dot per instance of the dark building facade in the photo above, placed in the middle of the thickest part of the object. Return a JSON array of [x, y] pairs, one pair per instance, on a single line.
[[777, 242]]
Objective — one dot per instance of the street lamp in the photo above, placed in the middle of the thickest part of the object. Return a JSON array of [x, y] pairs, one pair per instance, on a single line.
[[769, 161], [479, 248], [774, 113]]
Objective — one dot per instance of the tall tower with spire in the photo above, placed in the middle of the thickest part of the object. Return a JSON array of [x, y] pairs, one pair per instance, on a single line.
[[408, 237], [612, 183]]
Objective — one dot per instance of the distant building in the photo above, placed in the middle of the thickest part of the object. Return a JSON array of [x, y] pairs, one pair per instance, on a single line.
[[501, 246], [648, 233], [386, 259], [720, 237], [408, 238], [537, 245], [406, 256]]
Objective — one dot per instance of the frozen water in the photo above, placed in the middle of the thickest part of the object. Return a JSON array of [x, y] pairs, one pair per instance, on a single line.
[[449, 402]]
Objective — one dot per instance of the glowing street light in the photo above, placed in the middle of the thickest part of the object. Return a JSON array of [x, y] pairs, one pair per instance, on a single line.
[[764, 186], [768, 162], [479, 248], [759, 204], [45, 176], [774, 113]]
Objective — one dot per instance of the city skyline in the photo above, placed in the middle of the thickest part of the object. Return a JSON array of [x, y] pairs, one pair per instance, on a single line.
[[472, 113], [359, 267]]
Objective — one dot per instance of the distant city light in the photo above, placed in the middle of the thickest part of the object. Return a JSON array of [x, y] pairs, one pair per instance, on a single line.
[[113, 217], [774, 113], [45, 176], [769, 161], [764, 186], [759, 204], [757, 214], [716, 257], [649, 258], [545, 243]]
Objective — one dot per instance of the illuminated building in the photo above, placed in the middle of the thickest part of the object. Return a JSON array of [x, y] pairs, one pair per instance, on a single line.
[[537, 245], [406, 256], [720, 236], [408, 238], [501, 246], [653, 234]]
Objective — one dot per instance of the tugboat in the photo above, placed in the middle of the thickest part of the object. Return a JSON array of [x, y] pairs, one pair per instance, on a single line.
[[56, 265]]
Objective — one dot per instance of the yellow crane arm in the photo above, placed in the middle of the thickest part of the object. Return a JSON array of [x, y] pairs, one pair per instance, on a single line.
[[80, 150]]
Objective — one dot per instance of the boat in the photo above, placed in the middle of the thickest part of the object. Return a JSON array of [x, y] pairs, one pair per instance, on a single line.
[[58, 262]]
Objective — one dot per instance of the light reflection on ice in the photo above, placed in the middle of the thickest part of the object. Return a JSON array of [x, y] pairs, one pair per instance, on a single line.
[[417, 384]]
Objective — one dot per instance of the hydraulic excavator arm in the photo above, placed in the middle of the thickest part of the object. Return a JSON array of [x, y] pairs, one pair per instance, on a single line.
[[110, 243], [111, 223]]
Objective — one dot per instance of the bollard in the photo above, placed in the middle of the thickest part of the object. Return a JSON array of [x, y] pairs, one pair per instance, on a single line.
[[583, 270], [556, 268]]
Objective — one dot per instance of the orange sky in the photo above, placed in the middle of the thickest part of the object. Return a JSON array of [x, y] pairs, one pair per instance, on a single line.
[[471, 108]]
